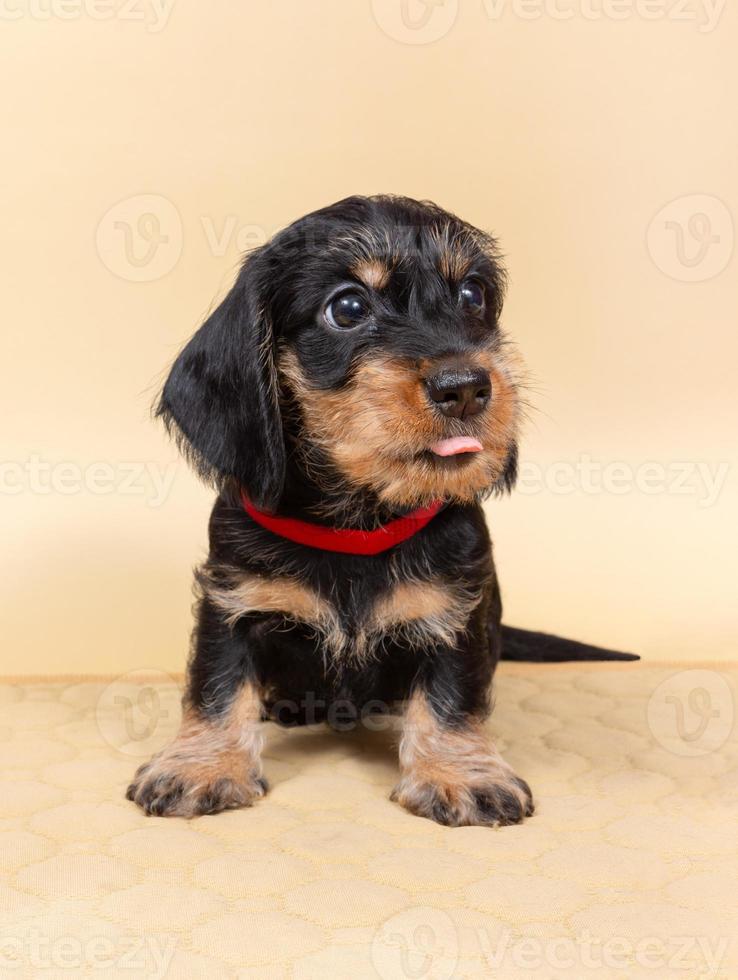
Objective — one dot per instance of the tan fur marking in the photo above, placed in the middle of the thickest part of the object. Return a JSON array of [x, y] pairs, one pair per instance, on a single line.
[[454, 264], [457, 249], [375, 429], [256, 593], [442, 767], [217, 758], [372, 272], [414, 612], [421, 611], [247, 593], [413, 600]]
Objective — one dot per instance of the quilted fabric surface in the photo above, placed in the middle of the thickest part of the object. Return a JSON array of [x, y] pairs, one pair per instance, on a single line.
[[628, 869]]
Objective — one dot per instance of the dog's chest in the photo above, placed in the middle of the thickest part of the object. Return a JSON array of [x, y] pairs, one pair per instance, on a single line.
[[353, 621]]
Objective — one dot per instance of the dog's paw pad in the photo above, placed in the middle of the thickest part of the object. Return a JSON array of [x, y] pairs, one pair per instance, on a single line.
[[499, 801], [177, 795], [502, 803]]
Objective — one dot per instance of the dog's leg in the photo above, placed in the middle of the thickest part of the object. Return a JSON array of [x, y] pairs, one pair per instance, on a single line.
[[453, 774], [214, 763], [450, 770]]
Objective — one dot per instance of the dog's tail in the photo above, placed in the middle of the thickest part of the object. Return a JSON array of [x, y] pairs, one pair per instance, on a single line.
[[545, 648]]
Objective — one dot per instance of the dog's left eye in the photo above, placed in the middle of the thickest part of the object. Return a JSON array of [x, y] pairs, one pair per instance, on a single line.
[[347, 310], [472, 296]]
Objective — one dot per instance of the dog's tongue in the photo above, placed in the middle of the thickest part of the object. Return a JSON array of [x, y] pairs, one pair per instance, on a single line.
[[459, 444]]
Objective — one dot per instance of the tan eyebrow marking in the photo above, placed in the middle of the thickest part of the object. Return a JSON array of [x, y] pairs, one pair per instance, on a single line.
[[372, 272], [453, 264]]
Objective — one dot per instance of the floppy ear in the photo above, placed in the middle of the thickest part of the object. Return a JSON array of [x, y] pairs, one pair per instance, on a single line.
[[220, 400]]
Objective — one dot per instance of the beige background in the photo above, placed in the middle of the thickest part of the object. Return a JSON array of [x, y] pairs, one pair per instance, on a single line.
[[216, 124]]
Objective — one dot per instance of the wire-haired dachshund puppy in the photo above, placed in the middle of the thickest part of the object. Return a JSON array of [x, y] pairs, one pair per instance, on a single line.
[[353, 399]]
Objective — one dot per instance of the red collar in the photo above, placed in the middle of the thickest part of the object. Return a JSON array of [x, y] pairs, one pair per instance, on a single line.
[[345, 540]]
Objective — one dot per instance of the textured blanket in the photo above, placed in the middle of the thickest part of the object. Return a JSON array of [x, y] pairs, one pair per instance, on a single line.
[[628, 869]]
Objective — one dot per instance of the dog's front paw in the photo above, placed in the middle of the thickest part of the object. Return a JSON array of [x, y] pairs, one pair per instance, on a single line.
[[502, 798], [193, 792]]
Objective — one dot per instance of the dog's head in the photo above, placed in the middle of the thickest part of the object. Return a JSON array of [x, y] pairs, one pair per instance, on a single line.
[[363, 341]]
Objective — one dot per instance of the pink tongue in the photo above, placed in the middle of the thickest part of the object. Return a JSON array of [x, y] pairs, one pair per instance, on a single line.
[[459, 444]]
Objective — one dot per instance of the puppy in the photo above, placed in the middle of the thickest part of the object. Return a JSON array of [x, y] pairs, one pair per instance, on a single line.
[[353, 400]]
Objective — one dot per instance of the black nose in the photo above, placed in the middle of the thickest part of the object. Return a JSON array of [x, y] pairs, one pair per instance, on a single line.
[[460, 392]]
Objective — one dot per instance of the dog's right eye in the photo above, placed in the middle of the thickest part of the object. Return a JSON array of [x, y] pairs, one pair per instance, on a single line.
[[347, 310]]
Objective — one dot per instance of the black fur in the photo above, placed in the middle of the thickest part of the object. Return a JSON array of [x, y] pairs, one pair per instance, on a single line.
[[528, 645], [303, 683], [221, 397]]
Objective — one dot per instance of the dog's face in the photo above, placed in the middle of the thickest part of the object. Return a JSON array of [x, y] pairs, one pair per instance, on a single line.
[[372, 326]]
